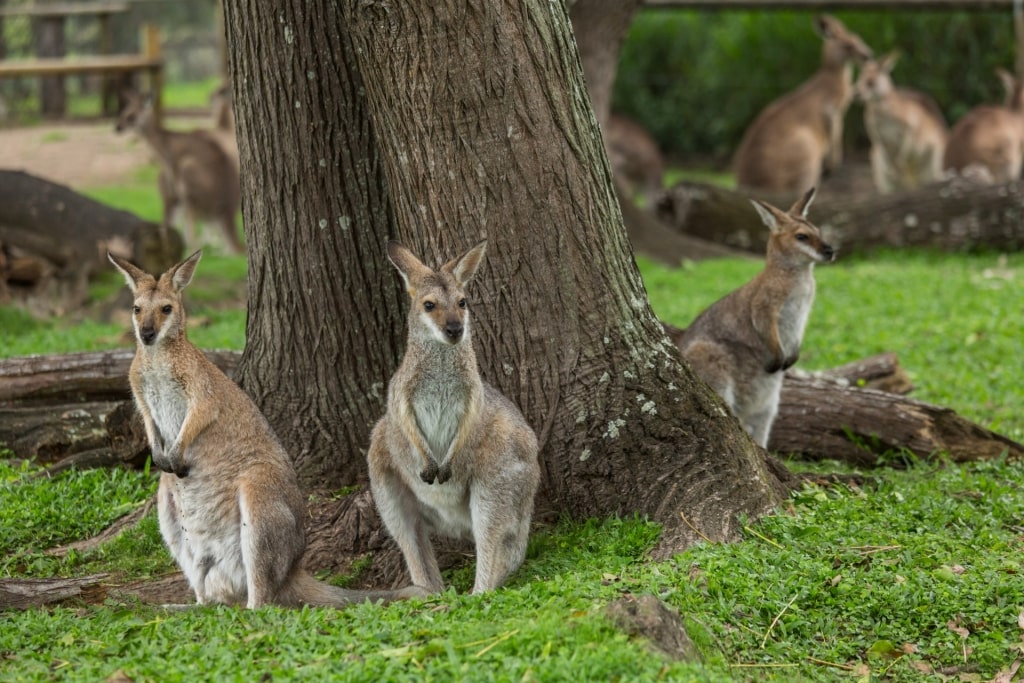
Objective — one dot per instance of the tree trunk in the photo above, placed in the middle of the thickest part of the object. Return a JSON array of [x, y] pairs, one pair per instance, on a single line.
[[485, 128], [324, 330], [952, 216]]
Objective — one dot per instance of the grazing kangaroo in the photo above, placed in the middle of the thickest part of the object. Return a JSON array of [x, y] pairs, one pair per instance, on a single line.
[[195, 172], [634, 156], [907, 130], [991, 137], [223, 130], [451, 455], [794, 137], [229, 503], [741, 344]]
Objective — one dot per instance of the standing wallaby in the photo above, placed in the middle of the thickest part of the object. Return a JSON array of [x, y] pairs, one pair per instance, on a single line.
[[229, 503], [451, 455], [195, 172], [991, 137], [223, 130], [907, 130], [794, 137], [741, 344]]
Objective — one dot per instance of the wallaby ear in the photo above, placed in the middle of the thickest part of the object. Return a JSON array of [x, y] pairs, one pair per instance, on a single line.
[[406, 262], [888, 61], [767, 213], [823, 24], [803, 205], [181, 274], [132, 274], [465, 266], [1008, 80]]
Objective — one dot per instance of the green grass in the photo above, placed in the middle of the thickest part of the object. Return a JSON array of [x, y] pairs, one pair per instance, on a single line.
[[841, 584]]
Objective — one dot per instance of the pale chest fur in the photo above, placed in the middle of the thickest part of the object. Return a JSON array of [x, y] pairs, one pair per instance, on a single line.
[[794, 313], [165, 397], [440, 401]]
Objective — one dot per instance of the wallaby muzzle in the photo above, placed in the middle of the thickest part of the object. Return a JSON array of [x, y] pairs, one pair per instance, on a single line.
[[828, 252], [148, 335], [453, 330]]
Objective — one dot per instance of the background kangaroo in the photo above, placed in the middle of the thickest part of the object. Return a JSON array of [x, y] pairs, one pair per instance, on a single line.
[[991, 137], [223, 116], [229, 503], [907, 130], [741, 344], [195, 172], [451, 455], [634, 157], [787, 145]]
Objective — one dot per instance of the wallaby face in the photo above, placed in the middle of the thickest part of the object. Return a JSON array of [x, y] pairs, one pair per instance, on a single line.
[[841, 45], [741, 343], [451, 456], [137, 112], [874, 82], [157, 311], [988, 142], [439, 307]]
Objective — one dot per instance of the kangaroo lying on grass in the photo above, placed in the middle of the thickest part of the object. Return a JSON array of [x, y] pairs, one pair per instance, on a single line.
[[229, 503]]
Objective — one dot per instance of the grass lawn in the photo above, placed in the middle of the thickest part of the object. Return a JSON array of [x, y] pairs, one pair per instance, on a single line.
[[915, 577]]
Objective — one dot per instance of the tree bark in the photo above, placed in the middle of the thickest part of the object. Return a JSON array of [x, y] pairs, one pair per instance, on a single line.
[[324, 329], [953, 216], [485, 127]]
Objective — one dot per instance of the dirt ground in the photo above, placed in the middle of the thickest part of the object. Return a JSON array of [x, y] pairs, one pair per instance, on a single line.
[[74, 154]]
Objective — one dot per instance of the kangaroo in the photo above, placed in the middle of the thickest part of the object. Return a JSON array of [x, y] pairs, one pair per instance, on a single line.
[[634, 156], [451, 455], [794, 137], [741, 344], [223, 130], [907, 130], [991, 137], [229, 503], [195, 172]]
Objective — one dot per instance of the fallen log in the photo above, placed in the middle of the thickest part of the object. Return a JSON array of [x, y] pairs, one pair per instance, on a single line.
[[27, 593], [54, 239], [955, 215]]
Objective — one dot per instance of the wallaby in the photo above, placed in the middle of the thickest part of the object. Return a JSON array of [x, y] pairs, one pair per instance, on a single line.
[[229, 503], [799, 134], [634, 156], [991, 137], [907, 130], [223, 130], [741, 344], [451, 455], [195, 172]]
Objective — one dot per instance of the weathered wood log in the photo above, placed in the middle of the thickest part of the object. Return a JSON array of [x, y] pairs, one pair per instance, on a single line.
[[27, 593], [59, 238], [821, 420], [882, 372], [955, 215]]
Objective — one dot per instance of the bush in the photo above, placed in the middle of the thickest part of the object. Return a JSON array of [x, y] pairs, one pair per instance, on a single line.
[[696, 79]]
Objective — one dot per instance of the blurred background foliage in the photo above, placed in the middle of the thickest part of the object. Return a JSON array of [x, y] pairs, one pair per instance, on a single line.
[[695, 79]]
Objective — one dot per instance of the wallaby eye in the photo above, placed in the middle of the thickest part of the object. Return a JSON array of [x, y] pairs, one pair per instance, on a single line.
[[462, 303], [136, 309], [167, 309], [800, 237], [428, 305]]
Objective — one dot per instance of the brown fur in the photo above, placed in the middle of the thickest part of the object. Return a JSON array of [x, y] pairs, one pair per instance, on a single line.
[[908, 133], [195, 172], [451, 455], [990, 138], [634, 156], [799, 134], [741, 344], [229, 503]]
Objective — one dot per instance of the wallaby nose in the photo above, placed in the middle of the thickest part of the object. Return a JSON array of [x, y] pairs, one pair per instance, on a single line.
[[828, 252], [147, 335], [453, 329]]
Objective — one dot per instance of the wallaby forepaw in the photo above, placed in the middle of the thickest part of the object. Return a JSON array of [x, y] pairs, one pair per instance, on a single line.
[[790, 362], [182, 471], [774, 366], [444, 473], [429, 473]]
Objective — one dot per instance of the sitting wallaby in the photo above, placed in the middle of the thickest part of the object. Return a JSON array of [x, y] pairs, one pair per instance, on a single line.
[[229, 503], [991, 137], [794, 137], [634, 156], [907, 130], [451, 455], [741, 344], [195, 172]]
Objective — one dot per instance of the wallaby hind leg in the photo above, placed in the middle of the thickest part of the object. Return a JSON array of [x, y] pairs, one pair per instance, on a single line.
[[400, 512], [713, 365], [271, 541], [501, 529]]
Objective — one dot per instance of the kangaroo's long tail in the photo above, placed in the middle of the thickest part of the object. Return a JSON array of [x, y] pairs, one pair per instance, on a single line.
[[309, 591]]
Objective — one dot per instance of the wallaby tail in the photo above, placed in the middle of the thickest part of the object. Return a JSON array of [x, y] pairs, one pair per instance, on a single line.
[[309, 591]]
